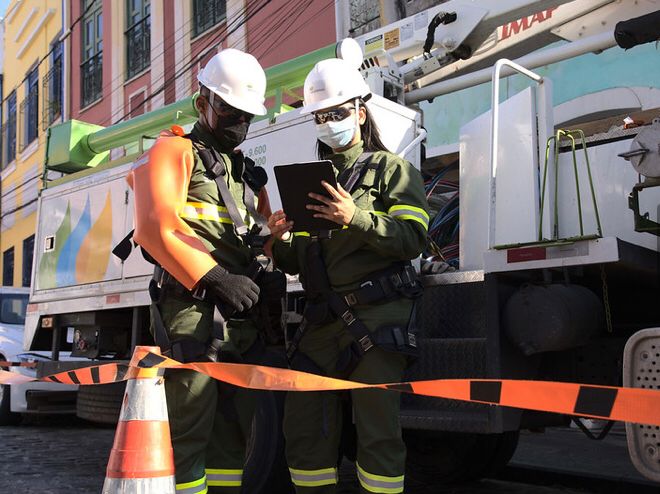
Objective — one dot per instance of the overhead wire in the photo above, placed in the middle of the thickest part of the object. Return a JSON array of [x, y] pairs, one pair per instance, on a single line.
[[278, 22], [42, 59], [184, 34], [122, 74], [218, 38], [264, 26]]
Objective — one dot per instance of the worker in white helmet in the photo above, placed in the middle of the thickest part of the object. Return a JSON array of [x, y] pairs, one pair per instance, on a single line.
[[194, 199], [360, 287]]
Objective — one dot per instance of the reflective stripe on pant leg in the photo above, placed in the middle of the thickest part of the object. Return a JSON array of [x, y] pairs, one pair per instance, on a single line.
[[218, 477], [379, 483], [314, 478], [194, 487]]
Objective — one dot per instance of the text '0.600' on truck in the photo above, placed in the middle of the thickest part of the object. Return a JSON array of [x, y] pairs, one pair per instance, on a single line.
[[551, 268]]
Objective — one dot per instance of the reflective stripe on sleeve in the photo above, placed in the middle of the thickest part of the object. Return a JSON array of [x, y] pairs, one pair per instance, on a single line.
[[205, 211], [314, 478], [407, 212], [380, 483], [194, 487], [224, 478]]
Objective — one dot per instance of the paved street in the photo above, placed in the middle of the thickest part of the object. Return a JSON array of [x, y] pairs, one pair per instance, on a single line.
[[65, 455]]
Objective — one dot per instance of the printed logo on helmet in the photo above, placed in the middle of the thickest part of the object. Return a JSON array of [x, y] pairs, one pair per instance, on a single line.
[[316, 89]]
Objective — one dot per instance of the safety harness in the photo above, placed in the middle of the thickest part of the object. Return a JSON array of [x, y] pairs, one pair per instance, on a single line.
[[325, 305], [255, 237]]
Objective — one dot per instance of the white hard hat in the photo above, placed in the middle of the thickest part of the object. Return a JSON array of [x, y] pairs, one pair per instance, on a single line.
[[332, 82], [237, 78]]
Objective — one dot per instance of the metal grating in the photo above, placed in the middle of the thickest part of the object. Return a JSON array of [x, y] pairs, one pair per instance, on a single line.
[[453, 311]]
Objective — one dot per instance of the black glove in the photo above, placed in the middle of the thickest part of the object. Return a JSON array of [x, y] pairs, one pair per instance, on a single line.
[[272, 284], [239, 292]]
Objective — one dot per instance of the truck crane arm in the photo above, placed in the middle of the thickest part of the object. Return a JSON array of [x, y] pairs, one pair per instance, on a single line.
[[462, 36]]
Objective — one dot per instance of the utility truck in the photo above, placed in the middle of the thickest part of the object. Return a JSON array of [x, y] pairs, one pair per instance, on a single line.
[[555, 256]]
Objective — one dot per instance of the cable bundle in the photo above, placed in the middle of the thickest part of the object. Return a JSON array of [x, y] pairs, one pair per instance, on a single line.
[[443, 198]]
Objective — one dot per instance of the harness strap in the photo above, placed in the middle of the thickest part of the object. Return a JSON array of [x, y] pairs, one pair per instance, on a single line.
[[391, 284], [249, 198], [318, 283], [215, 167], [350, 177], [183, 350]]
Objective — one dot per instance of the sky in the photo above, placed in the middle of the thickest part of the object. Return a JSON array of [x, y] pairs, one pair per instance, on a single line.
[[3, 7]]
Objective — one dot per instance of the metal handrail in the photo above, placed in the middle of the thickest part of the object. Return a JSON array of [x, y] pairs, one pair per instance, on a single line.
[[494, 136], [570, 135]]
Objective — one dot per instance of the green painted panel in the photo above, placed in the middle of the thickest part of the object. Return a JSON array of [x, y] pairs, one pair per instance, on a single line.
[[571, 79]]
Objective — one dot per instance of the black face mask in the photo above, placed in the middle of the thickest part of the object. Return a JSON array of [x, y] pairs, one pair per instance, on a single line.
[[230, 129], [230, 135]]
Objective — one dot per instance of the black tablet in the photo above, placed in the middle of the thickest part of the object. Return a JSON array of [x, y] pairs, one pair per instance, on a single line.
[[295, 182]]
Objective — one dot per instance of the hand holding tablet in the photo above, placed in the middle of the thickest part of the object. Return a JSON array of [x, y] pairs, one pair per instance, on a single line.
[[296, 182]]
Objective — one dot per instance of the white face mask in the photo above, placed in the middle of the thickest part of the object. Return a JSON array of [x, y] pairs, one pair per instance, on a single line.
[[338, 135]]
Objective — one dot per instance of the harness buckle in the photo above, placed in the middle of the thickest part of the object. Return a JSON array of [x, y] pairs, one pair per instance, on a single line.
[[365, 343], [159, 276], [348, 317], [396, 280], [407, 277], [199, 293], [351, 299]]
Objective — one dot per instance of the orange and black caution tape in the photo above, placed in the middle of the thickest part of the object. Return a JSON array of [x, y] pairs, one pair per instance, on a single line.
[[637, 405], [6, 364]]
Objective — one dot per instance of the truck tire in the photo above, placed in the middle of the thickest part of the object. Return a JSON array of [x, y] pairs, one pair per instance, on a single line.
[[266, 470], [100, 403], [7, 417], [438, 458]]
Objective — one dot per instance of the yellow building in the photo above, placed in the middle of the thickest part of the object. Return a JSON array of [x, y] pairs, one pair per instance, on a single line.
[[32, 99]]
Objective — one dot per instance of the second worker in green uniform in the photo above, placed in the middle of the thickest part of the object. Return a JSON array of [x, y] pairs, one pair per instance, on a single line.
[[360, 288]]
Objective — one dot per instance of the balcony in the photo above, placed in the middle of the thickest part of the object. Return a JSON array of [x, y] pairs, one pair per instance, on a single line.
[[52, 95], [91, 73], [29, 118], [138, 47]]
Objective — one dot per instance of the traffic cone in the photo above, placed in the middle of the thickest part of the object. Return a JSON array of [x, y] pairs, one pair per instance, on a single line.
[[141, 460]]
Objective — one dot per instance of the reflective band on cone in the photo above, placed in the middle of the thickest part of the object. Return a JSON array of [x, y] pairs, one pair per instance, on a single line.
[[141, 460]]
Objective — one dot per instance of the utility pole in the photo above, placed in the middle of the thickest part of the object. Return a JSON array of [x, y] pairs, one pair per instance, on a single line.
[[391, 11]]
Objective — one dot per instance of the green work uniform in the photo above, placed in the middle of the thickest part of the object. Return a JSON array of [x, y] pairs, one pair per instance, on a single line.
[[209, 421], [389, 226]]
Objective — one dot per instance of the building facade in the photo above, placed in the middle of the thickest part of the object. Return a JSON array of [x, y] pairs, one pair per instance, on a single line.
[[105, 61], [32, 100], [129, 57]]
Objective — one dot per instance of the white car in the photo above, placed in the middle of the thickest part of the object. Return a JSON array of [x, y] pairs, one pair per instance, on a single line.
[[31, 397]]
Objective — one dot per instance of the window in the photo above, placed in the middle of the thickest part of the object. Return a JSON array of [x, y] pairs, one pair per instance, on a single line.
[[208, 13], [9, 131], [30, 108], [91, 69], [138, 36], [53, 94], [8, 267], [2, 130], [28, 254], [13, 307]]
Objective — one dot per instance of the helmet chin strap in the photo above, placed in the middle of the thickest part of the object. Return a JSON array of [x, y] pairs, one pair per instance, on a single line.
[[357, 117], [209, 111]]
